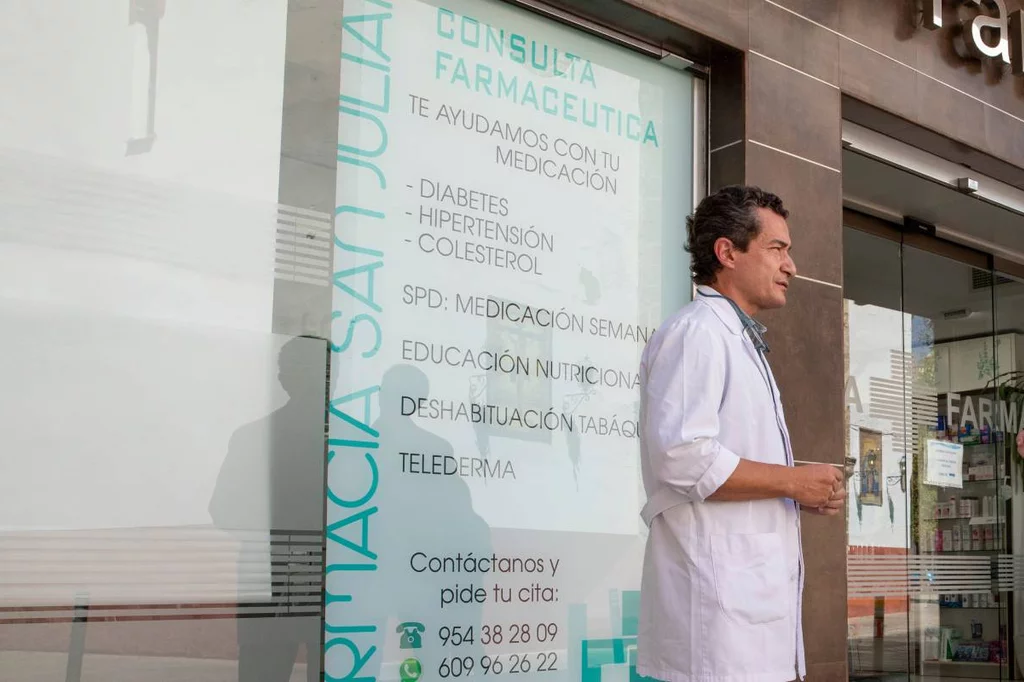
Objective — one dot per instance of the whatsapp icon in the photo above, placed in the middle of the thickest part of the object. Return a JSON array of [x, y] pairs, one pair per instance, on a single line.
[[410, 670]]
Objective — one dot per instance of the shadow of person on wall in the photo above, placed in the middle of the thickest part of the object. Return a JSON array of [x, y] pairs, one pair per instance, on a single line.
[[269, 495], [424, 507]]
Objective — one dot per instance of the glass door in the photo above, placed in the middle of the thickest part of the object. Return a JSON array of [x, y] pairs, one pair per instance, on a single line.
[[927, 522], [1008, 297], [878, 516], [957, 620]]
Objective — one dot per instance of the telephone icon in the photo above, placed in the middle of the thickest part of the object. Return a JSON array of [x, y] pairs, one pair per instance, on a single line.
[[411, 635]]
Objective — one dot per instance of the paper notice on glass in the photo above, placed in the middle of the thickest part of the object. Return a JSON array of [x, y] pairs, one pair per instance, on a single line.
[[945, 464]]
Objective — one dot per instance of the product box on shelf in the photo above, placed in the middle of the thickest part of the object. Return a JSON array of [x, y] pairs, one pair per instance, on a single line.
[[981, 472], [951, 601], [949, 642], [968, 507]]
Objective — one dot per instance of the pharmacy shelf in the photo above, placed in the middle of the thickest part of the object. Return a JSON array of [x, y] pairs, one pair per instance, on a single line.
[[976, 520]]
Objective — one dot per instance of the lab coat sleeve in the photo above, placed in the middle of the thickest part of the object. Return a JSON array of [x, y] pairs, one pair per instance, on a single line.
[[685, 384]]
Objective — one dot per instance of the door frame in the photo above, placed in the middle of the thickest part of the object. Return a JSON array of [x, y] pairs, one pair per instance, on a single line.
[[919, 239], [886, 229]]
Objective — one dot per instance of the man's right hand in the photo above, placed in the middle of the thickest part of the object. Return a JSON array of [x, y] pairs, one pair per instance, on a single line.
[[813, 485]]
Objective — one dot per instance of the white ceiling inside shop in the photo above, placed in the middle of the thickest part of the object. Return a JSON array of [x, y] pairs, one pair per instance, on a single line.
[[933, 286]]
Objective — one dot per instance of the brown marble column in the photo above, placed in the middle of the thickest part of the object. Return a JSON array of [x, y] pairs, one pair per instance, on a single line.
[[793, 147]]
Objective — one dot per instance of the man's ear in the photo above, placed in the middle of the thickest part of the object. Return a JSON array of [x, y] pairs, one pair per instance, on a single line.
[[725, 250]]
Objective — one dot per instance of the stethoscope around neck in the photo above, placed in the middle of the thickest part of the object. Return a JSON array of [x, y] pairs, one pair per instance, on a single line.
[[761, 347]]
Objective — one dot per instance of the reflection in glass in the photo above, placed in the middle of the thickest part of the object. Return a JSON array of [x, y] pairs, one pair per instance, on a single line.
[[266, 498], [162, 437]]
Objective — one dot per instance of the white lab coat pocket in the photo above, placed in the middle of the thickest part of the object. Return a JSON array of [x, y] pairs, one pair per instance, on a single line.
[[751, 579]]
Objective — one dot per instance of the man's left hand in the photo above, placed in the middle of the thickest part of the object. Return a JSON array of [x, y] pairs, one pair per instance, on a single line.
[[834, 504]]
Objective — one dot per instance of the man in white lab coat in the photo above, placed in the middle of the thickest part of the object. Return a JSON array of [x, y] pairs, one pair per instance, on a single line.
[[723, 579]]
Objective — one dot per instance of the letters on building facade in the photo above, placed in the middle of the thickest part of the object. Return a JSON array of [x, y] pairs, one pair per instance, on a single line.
[[987, 30]]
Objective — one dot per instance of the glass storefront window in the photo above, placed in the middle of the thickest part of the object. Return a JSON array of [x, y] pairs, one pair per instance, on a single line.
[[511, 195], [386, 264]]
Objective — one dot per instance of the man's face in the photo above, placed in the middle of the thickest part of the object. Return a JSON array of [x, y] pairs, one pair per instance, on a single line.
[[763, 273]]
